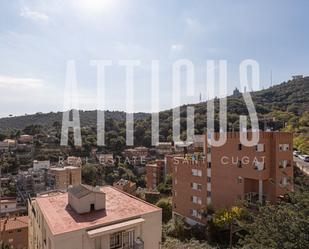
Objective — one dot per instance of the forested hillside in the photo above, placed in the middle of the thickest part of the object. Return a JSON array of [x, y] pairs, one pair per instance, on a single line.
[[281, 107]]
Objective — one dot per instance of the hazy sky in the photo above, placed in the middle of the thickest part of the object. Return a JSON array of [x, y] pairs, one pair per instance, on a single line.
[[37, 38]]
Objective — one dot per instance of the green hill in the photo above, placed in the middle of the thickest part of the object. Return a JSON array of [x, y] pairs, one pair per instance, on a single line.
[[281, 107]]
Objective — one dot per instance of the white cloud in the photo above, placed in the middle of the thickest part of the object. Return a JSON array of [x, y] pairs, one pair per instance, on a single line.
[[194, 24], [8, 81], [177, 47], [34, 15]]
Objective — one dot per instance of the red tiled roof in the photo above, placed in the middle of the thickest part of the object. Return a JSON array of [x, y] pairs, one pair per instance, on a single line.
[[119, 206], [14, 223]]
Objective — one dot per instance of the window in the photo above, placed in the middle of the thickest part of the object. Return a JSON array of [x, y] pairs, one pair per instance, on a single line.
[[196, 172], [208, 193], [259, 166], [239, 164], [116, 240], [208, 179], [260, 148], [284, 164], [284, 147], [208, 150], [196, 186], [239, 179], [209, 165], [239, 146], [196, 200], [195, 213], [92, 208]]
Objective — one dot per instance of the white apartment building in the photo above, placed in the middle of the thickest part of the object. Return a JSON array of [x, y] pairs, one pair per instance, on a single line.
[[94, 218], [37, 165]]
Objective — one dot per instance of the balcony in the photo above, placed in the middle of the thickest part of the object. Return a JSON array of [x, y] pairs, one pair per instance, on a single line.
[[253, 197]]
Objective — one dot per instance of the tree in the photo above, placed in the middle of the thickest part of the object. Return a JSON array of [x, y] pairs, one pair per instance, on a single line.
[[279, 226], [33, 129], [2, 137], [172, 243], [166, 205], [90, 174], [285, 225], [226, 218]]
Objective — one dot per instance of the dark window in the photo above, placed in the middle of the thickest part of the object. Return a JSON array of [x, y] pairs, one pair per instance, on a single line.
[[209, 165], [92, 207], [239, 164], [239, 146]]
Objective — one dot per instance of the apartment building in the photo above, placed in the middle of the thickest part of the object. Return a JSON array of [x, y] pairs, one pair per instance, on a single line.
[[164, 148], [37, 165], [231, 173], [74, 161], [7, 205], [126, 186], [33, 181], [4, 147], [14, 232], [137, 152], [155, 173], [23, 139], [66, 176], [95, 218]]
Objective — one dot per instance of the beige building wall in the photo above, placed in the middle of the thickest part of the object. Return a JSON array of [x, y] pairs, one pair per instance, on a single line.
[[64, 177]]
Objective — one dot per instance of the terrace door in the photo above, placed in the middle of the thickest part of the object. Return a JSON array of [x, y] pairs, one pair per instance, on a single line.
[[128, 239]]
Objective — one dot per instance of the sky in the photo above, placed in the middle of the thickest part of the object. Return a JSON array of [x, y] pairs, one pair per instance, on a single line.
[[37, 38]]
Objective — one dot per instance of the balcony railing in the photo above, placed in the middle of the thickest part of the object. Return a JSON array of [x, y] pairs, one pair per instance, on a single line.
[[138, 244], [253, 197]]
